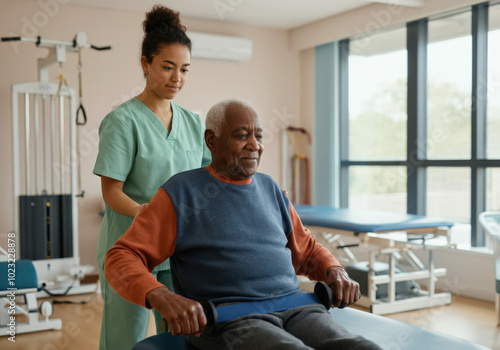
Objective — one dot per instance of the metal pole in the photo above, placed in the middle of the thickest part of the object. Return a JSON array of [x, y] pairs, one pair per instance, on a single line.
[[44, 154], [15, 161], [372, 287], [74, 168], [431, 273], [52, 141], [37, 145], [27, 141], [61, 141], [391, 287]]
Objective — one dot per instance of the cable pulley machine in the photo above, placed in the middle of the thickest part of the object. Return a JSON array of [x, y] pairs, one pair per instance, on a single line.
[[46, 166]]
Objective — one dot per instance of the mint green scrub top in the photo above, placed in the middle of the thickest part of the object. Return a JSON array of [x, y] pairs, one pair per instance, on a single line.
[[136, 148]]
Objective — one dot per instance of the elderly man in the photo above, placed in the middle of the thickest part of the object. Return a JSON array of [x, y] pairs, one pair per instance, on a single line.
[[232, 236]]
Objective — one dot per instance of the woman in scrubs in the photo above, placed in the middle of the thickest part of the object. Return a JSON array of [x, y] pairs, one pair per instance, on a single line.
[[143, 142]]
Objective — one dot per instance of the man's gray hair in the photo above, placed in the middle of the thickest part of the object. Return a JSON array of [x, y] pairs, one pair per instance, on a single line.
[[216, 116]]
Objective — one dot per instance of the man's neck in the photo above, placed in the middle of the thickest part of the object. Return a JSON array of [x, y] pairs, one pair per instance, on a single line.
[[217, 174]]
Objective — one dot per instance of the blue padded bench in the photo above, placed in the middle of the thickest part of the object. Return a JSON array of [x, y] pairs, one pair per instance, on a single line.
[[388, 333], [375, 231], [363, 221], [26, 285]]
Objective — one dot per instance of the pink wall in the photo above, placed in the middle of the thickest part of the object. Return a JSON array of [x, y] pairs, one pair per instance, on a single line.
[[270, 80]]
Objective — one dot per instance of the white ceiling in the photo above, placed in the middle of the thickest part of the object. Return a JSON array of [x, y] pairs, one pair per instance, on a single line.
[[282, 14], [279, 14]]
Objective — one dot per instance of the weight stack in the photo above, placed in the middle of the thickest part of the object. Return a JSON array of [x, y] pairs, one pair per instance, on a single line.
[[46, 226]]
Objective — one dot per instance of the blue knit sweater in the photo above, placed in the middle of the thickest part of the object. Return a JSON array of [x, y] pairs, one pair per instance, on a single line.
[[231, 238]]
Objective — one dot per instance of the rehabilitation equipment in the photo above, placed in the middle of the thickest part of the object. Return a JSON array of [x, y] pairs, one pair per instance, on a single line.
[[23, 284], [371, 230], [46, 167], [217, 315]]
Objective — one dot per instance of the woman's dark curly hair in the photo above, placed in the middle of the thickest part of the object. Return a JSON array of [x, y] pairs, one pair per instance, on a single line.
[[162, 26]]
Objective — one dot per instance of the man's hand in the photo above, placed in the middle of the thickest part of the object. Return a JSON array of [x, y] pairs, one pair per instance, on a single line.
[[345, 290], [185, 316]]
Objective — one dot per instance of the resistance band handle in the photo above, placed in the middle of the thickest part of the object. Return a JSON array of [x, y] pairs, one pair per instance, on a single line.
[[211, 314], [81, 109], [12, 38], [321, 289], [324, 293], [100, 48]]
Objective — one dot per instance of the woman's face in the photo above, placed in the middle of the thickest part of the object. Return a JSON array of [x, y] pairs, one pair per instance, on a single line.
[[167, 72]]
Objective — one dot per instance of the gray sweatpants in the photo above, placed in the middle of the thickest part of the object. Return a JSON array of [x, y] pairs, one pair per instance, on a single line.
[[305, 327]]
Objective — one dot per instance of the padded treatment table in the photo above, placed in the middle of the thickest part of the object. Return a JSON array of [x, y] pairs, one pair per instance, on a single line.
[[388, 333], [374, 231], [365, 221]]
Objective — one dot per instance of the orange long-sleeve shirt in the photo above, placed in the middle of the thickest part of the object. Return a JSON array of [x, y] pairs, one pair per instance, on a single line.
[[152, 238]]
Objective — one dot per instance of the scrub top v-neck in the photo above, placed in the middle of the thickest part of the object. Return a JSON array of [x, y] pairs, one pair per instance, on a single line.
[[136, 148]]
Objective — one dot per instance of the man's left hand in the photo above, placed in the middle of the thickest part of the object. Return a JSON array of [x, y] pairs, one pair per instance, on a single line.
[[345, 290]]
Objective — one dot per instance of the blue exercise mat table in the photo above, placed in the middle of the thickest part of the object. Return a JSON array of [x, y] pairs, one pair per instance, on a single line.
[[364, 221], [390, 237]]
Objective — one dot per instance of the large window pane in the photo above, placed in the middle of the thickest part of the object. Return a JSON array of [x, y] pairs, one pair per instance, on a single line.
[[378, 188], [448, 196], [493, 92], [493, 189], [448, 193], [377, 96], [449, 87]]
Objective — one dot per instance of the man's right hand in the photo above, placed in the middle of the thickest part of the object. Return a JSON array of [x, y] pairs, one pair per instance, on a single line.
[[184, 316]]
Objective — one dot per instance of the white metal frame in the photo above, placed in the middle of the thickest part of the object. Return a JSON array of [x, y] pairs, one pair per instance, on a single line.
[[31, 311], [54, 273], [377, 248]]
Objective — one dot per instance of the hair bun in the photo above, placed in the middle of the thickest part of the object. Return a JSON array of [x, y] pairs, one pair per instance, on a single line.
[[161, 16]]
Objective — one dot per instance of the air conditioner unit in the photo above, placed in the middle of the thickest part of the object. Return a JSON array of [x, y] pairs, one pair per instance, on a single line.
[[220, 47]]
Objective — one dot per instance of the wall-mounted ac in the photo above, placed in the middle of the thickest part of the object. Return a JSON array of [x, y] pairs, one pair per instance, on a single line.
[[220, 47]]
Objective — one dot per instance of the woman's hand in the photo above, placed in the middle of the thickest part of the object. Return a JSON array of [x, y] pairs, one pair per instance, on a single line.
[[141, 208]]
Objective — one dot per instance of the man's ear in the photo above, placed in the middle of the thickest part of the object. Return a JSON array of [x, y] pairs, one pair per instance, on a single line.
[[210, 139]]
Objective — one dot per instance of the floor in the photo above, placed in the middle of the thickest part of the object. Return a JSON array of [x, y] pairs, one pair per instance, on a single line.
[[466, 318]]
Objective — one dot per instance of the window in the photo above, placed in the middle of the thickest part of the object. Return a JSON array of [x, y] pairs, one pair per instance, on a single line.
[[449, 196], [449, 86], [378, 187], [448, 132], [493, 90], [377, 121], [493, 189], [493, 110], [421, 130], [377, 97]]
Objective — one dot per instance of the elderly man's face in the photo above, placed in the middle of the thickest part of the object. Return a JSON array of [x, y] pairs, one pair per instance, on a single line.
[[236, 152]]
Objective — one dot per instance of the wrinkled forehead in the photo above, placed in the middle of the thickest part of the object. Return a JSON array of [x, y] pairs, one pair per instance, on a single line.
[[241, 116]]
